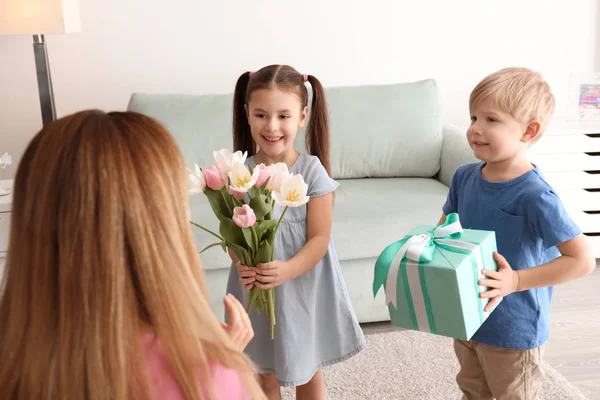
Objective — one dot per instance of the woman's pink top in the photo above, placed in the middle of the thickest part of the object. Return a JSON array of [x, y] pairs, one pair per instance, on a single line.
[[227, 383]]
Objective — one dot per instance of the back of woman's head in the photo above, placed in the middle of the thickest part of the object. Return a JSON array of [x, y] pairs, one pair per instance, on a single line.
[[286, 78], [100, 252]]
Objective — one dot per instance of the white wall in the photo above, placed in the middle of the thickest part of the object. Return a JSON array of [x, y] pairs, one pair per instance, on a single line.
[[200, 46]]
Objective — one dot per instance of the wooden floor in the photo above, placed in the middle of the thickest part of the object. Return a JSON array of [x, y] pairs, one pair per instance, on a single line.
[[574, 345]]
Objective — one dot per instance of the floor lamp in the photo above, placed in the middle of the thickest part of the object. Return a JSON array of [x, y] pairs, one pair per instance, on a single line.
[[37, 18]]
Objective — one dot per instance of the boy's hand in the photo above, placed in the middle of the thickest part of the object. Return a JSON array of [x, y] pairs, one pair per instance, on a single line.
[[504, 282], [272, 274], [247, 276]]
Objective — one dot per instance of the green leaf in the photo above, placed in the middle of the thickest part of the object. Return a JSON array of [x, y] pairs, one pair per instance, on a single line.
[[217, 203], [237, 203], [241, 253], [229, 199], [249, 239], [262, 229], [222, 244], [231, 232], [263, 255], [261, 204]]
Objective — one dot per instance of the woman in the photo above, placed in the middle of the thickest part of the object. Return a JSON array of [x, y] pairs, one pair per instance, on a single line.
[[104, 295]]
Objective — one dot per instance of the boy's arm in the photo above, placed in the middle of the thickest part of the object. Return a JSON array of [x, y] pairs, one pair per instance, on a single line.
[[576, 260]]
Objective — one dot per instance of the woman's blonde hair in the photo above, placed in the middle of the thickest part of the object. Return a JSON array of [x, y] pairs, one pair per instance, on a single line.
[[520, 92], [100, 246]]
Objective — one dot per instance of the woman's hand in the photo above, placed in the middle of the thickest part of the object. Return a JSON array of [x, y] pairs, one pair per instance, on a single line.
[[239, 329]]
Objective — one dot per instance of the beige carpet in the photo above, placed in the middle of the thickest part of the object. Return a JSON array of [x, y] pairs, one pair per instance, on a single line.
[[413, 365]]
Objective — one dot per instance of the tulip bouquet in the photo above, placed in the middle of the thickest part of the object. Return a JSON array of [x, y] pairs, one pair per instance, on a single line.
[[243, 199]]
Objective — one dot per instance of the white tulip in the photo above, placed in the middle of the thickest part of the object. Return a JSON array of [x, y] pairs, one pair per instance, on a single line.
[[240, 178], [196, 181], [226, 159], [293, 192], [281, 174]]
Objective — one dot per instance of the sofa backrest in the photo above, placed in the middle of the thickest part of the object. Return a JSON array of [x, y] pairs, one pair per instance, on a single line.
[[376, 131]]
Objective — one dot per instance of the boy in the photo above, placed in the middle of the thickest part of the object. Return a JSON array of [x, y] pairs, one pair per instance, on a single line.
[[538, 243]]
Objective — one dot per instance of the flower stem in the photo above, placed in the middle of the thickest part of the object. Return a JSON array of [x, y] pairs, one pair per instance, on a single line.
[[207, 230], [253, 294], [276, 229], [254, 237], [271, 302]]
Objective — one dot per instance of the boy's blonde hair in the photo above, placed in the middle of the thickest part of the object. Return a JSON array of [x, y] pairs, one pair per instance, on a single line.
[[101, 246], [520, 92]]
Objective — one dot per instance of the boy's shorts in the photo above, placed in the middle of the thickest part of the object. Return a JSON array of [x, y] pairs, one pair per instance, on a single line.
[[488, 372]]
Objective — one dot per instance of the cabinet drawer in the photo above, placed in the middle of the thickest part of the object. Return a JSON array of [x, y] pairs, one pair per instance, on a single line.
[[566, 162], [562, 144], [588, 223], [4, 230], [580, 200], [572, 180], [594, 242]]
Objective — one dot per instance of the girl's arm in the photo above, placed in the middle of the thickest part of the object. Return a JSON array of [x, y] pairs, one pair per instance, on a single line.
[[318, 231]]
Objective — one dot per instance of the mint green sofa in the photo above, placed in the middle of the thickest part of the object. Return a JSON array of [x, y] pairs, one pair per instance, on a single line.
[[390, 151]]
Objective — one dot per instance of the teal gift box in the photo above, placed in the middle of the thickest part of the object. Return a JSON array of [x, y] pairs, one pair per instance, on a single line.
[[431, 278]]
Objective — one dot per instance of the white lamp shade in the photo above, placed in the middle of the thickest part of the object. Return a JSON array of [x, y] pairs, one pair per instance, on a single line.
[[39, 17]]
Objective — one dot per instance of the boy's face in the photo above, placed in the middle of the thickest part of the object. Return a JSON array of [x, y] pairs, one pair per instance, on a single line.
[[494, 135]]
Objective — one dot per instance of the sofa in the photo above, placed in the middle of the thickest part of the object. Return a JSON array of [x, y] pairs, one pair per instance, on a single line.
[[390, 151]]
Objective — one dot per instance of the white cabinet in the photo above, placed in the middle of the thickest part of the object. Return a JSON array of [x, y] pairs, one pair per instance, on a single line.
[[569, 156]]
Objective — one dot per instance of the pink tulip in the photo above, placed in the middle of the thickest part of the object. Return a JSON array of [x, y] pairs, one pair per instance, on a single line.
[[214, 177], [244, 216], [264, 174], [235, 193]]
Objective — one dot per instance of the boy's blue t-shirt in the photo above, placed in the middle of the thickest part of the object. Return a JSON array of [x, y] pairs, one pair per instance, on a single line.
[[529, 220]]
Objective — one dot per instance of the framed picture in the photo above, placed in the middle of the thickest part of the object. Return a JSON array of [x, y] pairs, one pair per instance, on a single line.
[[584, 96]]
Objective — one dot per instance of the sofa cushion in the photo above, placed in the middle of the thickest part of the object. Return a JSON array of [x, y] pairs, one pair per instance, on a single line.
[[200, 124], [376, 131], [368, 215], [385, 130]]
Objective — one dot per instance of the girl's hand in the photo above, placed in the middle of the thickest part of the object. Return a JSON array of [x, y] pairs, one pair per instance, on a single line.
[[272, 274], [504, 282], [239, 328], [247, 275]]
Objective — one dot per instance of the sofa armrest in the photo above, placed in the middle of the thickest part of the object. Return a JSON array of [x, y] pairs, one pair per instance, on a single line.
[[455, 152]]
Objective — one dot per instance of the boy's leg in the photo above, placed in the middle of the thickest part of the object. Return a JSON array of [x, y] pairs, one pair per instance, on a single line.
[[512, 374], [471, 377]]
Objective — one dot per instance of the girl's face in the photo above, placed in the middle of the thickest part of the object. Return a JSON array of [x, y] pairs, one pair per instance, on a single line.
[[275, 117]]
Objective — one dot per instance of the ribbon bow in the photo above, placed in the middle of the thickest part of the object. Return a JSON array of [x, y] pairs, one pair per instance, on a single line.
[[417, 248]]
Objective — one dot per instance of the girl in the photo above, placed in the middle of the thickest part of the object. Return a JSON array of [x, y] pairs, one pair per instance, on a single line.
[[103, 295], [316, 325]]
